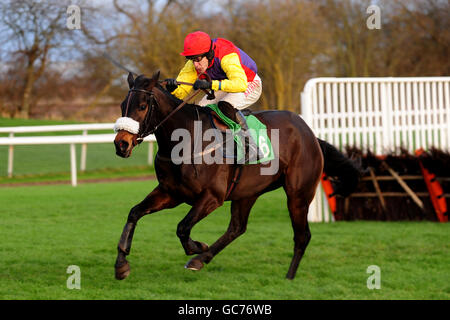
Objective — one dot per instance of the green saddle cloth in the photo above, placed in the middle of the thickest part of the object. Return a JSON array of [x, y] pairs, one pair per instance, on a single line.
[[257, 130]]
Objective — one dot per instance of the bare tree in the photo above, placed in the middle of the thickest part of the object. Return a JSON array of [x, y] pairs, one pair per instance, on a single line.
[[354, 45], [285, 38], [155, 34], [419, 38], [290, 40], [413, 40], [32, 30]]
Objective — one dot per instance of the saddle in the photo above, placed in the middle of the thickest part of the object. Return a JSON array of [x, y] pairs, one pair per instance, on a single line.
[[218, 122], [224, 118], [228, 110]]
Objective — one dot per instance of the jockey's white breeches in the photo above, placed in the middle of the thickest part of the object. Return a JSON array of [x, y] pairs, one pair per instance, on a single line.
[[239, 100]]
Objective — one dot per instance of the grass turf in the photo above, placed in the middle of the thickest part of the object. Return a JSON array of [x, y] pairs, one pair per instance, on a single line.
[[45, 229]]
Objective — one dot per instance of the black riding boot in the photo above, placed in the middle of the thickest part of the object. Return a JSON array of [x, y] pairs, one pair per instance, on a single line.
[[253, 153]]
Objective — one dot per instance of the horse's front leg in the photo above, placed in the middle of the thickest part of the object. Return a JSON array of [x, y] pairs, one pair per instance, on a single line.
[[157, 200], [202, 207], [240, 210]]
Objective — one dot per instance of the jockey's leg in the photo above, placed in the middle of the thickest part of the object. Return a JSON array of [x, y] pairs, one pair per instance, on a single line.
[[240, 101], [253, 153]]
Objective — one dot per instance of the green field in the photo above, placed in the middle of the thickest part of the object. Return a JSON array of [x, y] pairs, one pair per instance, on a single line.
[[45, 229]]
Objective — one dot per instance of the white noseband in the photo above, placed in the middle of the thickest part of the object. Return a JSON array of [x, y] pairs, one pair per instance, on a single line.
[[127, 124]]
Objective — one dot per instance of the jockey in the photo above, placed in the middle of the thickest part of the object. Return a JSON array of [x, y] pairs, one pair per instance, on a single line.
[[232, 71]]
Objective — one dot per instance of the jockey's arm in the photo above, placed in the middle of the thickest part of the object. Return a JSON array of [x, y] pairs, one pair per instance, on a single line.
[[231, 65], [187, 74], [237, 79]]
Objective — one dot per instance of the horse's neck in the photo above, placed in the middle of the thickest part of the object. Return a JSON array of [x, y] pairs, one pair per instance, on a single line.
[[182, 119]]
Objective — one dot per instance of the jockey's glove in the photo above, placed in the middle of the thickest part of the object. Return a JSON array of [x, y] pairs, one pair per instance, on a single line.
[[171, 84], [202, 84]]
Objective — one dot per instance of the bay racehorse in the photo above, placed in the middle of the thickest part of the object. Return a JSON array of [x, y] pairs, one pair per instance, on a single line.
[[301, 160]]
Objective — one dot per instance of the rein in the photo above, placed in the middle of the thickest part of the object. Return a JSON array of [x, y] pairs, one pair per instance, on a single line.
[[186, 100], [146, 132], [150, 102]]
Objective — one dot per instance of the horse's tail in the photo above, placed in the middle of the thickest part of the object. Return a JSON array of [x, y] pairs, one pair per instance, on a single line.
[[344, 172]]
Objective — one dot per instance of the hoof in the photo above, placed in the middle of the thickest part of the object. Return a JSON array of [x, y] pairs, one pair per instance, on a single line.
[[194, 264], [123, 271]]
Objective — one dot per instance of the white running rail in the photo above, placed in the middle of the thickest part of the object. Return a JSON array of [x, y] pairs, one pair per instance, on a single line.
[[84, 139], [377, 114]]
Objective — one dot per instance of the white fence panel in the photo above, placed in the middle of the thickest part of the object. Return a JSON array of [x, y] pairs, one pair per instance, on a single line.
[[83, 139], [376, 114]]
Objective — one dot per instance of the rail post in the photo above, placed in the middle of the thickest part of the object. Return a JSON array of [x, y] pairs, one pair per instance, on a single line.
[[150, 153], [10, 157], [73, 164], [83, 154]]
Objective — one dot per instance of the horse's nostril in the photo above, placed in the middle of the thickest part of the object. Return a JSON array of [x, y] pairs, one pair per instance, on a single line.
[[123, 145]]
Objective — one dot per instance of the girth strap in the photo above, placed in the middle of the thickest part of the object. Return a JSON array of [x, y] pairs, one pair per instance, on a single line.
[[237, 170]]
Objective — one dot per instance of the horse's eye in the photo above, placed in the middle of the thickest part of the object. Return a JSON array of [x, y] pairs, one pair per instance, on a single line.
[[143, 107]]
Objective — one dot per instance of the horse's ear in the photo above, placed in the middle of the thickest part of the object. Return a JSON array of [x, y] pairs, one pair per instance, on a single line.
[[130, 80], [156, 75]]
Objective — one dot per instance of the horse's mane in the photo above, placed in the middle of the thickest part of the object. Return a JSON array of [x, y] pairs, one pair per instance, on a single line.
[[177, 101], [143, 81]]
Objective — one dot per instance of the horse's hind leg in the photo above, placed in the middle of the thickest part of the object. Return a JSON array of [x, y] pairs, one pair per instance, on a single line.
[[298, 211], [240, 210]]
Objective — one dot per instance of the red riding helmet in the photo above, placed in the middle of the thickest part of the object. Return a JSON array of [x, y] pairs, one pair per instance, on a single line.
[[196, 43]]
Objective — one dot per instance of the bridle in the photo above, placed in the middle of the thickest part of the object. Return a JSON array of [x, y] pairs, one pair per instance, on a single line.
[[143, 133], [150, 103]]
